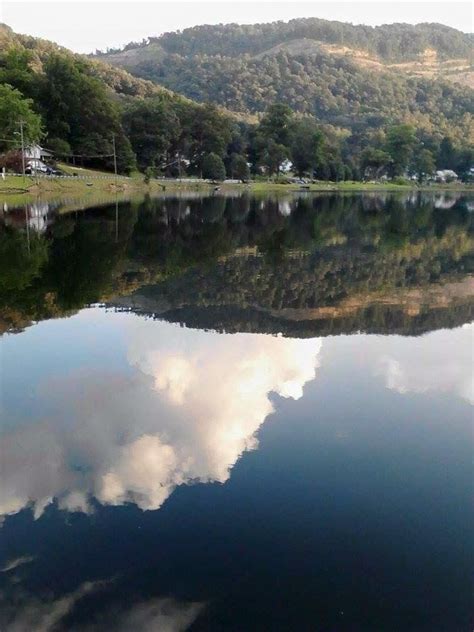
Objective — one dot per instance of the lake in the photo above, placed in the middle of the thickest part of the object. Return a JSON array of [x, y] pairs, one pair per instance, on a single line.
[[236, 413]]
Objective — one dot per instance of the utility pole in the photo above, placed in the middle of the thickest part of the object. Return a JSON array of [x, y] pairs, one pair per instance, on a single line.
[[116, 217], [116, 190], [115, 160], [22, 147], [27, 226]]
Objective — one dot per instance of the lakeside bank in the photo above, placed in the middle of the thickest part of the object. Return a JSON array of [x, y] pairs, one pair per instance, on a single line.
[[90, 185]]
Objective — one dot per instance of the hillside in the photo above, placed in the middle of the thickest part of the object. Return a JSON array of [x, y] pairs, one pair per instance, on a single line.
[[342, 74], [392, 43], [119, 81], [80, 104], [333, 103]]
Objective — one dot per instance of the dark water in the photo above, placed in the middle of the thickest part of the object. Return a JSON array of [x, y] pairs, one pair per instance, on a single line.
[[241, 414]]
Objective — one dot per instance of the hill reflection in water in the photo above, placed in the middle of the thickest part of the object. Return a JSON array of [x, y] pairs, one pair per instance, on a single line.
[[304, 265], [199, 430]]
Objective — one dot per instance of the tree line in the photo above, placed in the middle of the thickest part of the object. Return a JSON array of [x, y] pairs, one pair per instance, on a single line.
[[392, 42]]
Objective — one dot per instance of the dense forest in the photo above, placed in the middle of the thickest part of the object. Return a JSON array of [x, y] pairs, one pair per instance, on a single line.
[[318, 114], [392, 42], [326, 69], [332, 88], [238, 255]]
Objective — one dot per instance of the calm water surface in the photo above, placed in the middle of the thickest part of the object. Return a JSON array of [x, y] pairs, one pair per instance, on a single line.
[[237, 414]]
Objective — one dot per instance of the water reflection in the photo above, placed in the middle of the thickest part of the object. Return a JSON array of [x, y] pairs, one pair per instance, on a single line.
[[155, 615], [187, 441], [183, 406], [171, 406], [302, 266], [350, 451], [412, 366]]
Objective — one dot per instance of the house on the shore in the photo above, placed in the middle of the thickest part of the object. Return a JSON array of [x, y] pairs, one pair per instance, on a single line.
[[36, 158], [445, 175]]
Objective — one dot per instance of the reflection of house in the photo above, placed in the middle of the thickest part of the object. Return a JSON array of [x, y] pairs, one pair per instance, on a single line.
[[37, 216], [35, 157], [444, 202], [284, 207]]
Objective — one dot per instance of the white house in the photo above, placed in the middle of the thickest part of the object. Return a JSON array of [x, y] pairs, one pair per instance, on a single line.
[[36, 152], [286, 166], [445, 175], [35, 157]]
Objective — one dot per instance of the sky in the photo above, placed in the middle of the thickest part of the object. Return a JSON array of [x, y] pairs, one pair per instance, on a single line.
[[85, 25]]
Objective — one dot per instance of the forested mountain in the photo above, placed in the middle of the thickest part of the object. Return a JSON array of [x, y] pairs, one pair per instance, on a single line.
[[247, 101], [391, 42], [334, 89], [343, 74]]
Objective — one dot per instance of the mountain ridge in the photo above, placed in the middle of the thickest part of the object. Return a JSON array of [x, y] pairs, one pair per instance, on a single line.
[[389, 41], [339, 73]]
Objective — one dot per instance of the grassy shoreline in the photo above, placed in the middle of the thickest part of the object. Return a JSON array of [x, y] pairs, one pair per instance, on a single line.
[[17, 189], [358, 187]]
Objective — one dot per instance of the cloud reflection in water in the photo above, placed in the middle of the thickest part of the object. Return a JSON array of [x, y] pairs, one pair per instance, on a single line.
[[190, 406]]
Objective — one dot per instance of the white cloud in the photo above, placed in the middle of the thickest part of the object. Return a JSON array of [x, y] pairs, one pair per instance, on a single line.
[[15, 563], [440, 361], [155, 615], [219, 392], [29, 613], [188, 406]]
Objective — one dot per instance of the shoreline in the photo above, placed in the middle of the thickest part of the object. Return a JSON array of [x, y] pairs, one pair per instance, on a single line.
[[20, 190]]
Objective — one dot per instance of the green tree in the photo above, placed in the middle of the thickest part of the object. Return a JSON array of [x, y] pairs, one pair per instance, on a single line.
[[374, 162], [239, 168], [348, 172], [274, 155], [152, 127], [149, 175], [447, 154], [424, 164], [465, 160], [275, 124], [401, 140], [16, 70], [213, 167], [78, 109], [205, 131], [337, 170], [14, 108], [307, 142]]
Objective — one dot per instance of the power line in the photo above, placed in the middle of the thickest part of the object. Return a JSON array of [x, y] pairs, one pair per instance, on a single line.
[[66, 155], [60, 153]]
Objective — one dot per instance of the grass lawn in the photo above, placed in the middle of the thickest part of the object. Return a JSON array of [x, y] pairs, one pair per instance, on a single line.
[[92, 184], [356, 186]]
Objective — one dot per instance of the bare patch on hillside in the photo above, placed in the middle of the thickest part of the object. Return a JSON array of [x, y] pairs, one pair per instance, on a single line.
[[134, 56], [427, 64]]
